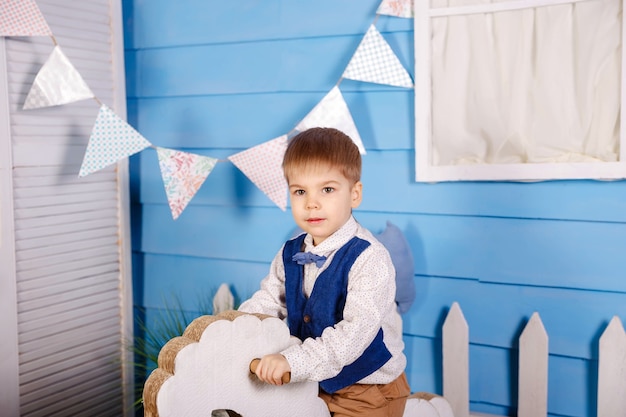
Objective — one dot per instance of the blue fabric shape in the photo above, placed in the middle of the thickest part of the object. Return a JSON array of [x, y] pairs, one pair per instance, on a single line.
[[307, 257], [394, 240]]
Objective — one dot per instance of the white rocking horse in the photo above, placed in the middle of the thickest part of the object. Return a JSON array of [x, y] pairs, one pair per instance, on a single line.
[[207, 373]]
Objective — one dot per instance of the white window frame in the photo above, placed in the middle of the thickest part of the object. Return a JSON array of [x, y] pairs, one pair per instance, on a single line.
[[427, 172]]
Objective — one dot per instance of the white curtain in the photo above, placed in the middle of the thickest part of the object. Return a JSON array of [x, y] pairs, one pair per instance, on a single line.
[[526, 86]]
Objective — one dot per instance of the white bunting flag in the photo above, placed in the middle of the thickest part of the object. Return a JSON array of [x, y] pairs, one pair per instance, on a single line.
[[397, 8], [111, 139], [22, 18], [374, 61], [57, 83], [183, 174], [262, 164], [333, 111]]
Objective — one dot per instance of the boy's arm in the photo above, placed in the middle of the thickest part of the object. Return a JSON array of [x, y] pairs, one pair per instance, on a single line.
[[370, 300], [270, 298]]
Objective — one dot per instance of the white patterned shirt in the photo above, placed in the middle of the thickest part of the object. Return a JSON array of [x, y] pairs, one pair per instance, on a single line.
[[370, 305]]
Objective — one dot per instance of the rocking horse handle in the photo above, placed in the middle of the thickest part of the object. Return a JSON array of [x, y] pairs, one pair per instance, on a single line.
[[255, 362]]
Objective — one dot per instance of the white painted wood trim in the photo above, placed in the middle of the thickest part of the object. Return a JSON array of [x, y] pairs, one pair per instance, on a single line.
[[9, 365], [423, 91], [455, 339], [123, 181], [520, 172], [622, 132], [533, 370], [497, 7], [612, 370]]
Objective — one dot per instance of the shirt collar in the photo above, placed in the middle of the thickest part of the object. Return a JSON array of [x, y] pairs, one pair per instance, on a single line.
[[334, 241]]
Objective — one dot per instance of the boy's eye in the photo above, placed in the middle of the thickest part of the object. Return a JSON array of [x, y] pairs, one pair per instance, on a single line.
[[298, 192], [328, 189]]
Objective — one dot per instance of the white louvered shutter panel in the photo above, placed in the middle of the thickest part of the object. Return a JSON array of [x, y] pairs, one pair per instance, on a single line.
[[70, 234]]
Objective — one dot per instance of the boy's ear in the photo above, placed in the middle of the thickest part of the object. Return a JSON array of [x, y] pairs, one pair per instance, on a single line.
[[357, 194]]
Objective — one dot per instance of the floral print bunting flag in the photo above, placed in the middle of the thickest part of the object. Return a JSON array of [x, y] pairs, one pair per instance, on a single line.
[[183, 174], [397, 8]]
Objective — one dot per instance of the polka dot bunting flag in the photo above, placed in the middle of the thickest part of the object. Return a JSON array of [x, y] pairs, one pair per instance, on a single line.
[[375, 62], [262, 164], [22, 18], [111, 139]]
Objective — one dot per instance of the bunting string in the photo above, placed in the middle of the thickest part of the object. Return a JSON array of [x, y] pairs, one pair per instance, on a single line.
[[113, 139]]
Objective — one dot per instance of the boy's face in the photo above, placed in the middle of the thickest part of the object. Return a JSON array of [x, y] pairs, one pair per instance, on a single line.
[[322, 200]]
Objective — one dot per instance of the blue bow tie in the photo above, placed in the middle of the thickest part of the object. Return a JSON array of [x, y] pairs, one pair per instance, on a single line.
[[307, 257]]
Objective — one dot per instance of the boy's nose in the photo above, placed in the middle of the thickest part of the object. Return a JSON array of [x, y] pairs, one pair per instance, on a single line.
[[311, 203]]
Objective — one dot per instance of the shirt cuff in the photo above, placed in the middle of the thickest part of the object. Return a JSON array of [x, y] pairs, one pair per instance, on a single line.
[[293, 356]]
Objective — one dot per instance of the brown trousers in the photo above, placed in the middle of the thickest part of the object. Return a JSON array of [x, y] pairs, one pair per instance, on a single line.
[[369, 400]]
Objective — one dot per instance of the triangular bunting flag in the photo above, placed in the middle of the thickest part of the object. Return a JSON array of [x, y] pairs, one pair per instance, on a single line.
[[22, 18], [375, 62], [332, 111], [183, 174], [397, 8], [262, 164], [111, 139], [57, 82]]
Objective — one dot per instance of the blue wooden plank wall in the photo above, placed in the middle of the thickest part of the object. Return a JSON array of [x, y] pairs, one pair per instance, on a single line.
[[217, 77]]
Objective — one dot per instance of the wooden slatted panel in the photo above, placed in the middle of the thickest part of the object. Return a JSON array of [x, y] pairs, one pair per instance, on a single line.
[[67, 229]]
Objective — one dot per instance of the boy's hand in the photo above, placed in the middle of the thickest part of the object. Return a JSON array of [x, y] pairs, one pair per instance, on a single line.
[[271, 369]]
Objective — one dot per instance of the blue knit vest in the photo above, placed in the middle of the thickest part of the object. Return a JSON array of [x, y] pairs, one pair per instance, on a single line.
[[308, 317]]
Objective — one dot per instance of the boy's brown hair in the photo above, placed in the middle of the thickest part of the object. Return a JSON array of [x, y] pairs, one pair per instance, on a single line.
[[323, 146]]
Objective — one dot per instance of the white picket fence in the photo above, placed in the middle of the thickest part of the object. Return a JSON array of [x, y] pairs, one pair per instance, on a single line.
[[533, 368]]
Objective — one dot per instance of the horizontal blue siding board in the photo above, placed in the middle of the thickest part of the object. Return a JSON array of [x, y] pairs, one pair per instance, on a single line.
[[424, 363], [490, 377], [215, 232], [564, 254], [384, 119], [603, 201], [168, 24], [261, 67], [572, 386], [189, 278], [494, 382]]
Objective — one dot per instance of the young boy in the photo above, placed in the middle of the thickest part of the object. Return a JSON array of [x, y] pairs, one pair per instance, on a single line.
[[339, 298]]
